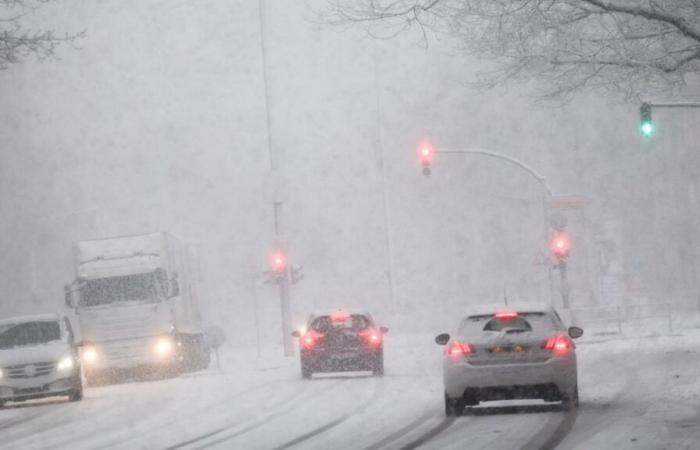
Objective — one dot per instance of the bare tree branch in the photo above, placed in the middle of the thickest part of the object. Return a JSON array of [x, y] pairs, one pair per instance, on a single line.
[[629, 47], [17, 43]]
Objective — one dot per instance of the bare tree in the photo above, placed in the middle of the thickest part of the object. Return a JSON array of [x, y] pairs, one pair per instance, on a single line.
[[629, 47], [17, 42]]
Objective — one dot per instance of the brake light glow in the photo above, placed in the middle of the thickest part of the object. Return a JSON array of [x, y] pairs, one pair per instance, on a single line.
[[309, 340], [458, 349], [373, 337], [506, 314], [559, 344], [339, 316]]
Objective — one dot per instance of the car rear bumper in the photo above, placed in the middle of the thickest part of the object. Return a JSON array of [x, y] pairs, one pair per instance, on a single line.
[[522, 380], [340, 361]]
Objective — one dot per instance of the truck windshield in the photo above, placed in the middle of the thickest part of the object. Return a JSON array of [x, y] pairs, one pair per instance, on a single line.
[[130, 288], [28, 333]]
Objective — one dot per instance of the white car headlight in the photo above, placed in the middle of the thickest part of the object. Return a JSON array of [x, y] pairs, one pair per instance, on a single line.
[[65, 364]]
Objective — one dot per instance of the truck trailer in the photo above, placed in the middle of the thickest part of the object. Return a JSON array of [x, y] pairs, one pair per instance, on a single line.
[[137, 307]]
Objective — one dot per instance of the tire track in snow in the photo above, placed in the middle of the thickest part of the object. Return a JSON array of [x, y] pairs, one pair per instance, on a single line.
[[334, 423], [44, 422], [553, 432], [443, 425], [167, 424], [598, 420], [398, 434], [290, 402]]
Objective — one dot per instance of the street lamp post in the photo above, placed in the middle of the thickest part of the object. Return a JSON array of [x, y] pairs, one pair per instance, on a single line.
[[541, 180]]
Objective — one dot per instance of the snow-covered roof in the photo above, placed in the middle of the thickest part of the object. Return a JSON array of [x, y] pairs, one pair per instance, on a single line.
[[49, 317]]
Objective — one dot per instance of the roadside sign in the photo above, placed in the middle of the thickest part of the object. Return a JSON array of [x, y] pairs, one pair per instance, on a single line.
[[568, 201]]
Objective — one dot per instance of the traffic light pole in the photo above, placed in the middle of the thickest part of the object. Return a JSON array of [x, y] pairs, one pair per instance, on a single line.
[[546, 194], [284, 282], [564, 283], [286, 314]]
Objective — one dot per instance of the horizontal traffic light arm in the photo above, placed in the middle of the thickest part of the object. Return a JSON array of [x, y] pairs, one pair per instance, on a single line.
[[674, 105], [478, 151]]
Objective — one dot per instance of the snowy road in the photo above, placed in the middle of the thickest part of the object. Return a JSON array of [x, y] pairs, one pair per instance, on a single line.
[[635, 393]]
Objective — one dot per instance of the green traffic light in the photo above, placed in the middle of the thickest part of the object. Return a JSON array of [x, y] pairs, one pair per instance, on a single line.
[[646, 126]]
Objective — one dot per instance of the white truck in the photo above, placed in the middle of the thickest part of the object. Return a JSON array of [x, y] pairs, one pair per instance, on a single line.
[[137, 307]]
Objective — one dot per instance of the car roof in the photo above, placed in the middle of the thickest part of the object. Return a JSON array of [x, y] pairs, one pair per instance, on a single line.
[[49, 317], [330, 313], [519, 306]]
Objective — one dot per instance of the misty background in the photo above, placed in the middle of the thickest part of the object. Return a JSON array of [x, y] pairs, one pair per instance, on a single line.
[[158, 121]]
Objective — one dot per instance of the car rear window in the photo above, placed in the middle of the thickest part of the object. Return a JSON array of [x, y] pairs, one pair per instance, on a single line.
[[528, 321], [325, 324]]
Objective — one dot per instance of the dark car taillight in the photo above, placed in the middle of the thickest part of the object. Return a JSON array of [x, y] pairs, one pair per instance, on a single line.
[[559, 344], [310, 339], [372, 337]]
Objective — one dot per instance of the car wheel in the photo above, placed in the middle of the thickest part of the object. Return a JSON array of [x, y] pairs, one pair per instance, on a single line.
[[306, 371], [76, 395], [378, 369], [454, 407], [569, 401]]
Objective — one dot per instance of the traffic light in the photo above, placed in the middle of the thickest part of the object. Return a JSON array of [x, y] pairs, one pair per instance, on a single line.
[[278, 262], [425, 156], [560, 245], [646, 125]]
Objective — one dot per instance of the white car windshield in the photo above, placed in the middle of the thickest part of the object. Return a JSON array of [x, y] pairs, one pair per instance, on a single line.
[[28, 333]]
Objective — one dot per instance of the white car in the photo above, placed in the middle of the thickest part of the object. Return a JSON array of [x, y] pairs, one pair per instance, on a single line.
[[510, 353], [38, 358]]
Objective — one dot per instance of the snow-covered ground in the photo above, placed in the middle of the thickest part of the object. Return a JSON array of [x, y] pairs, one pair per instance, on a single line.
[[636, 392]]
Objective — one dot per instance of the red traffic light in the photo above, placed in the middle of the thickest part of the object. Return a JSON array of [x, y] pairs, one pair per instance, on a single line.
[[560, 245], [426, 152], [278, 262]]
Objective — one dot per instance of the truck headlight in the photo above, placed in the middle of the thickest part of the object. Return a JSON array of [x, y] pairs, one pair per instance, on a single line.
[[65, 364], [89, 354], [165, 346]]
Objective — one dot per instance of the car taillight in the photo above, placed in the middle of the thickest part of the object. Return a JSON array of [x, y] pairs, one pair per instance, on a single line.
[[372, 337], [458, 349], [559, 344], [309, 339], [506, 314]]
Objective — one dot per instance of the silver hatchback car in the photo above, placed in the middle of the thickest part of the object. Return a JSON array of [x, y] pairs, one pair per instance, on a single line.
[[510, 353]]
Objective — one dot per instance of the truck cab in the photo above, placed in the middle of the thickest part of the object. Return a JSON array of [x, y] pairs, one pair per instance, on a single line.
[[134, 312]]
